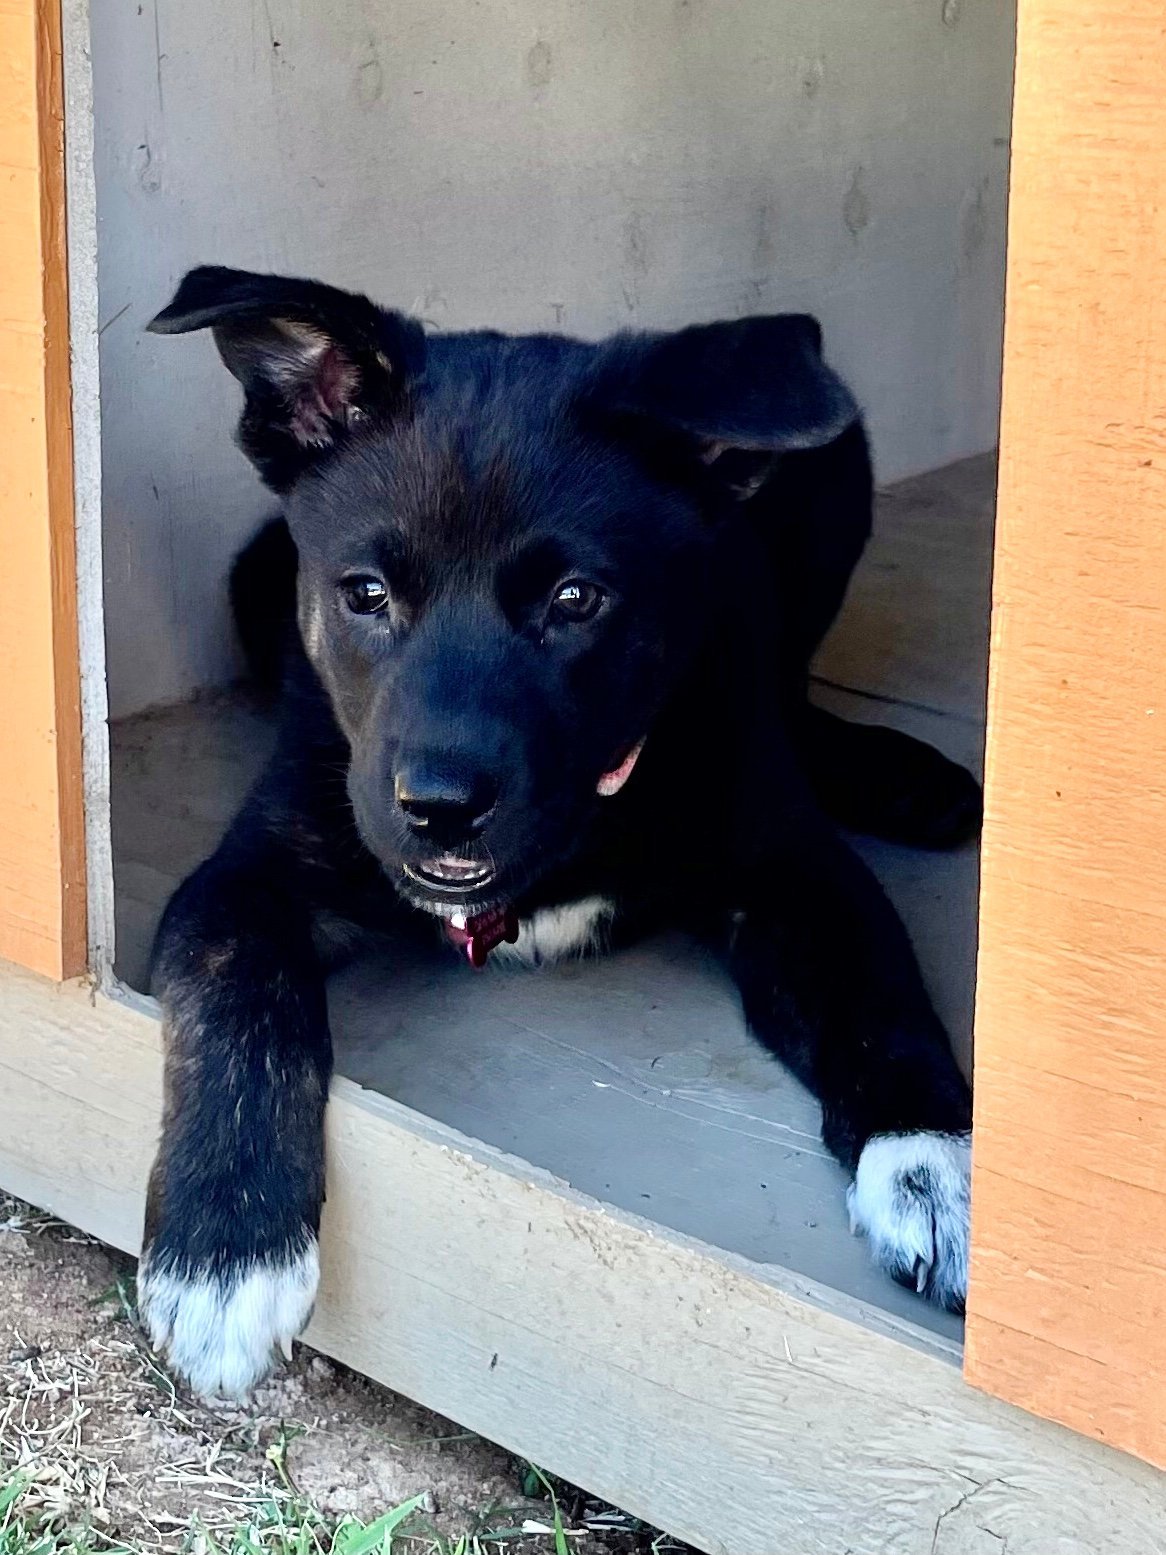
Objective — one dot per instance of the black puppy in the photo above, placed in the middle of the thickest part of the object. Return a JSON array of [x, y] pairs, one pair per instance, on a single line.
[[544, 678]]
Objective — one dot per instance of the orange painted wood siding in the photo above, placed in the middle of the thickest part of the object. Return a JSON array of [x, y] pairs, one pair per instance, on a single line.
[[1067, 1313], [42, 871]]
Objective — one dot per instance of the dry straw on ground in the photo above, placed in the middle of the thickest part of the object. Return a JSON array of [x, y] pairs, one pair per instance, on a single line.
[[99, 1452]]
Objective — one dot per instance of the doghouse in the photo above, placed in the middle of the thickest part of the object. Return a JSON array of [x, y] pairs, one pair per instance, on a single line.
[[577, 1212]]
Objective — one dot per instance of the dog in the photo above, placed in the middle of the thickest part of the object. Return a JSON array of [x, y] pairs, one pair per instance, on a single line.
[[540, 613]]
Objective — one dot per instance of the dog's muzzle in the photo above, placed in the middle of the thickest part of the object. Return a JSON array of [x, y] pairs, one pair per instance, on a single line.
[[478, 934]]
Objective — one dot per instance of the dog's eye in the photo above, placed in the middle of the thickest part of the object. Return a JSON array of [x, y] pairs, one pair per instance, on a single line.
[[576, 601], [364, 596]]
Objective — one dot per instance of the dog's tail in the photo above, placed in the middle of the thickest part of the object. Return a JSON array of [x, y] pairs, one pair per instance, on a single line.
[[263, 600]]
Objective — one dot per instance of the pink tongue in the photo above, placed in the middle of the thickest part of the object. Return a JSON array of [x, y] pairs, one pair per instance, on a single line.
[[611, 782]]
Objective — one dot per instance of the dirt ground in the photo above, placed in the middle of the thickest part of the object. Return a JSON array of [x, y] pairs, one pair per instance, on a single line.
[[107, 1442]]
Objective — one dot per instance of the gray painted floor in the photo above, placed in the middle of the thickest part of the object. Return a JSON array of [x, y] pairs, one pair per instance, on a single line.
[[633, 1078]]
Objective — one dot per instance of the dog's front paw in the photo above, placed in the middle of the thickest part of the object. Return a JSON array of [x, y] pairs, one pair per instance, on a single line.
[[220, 1327], [911, 1196]]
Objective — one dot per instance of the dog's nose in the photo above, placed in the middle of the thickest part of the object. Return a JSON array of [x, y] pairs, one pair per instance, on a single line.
[[443, 804]]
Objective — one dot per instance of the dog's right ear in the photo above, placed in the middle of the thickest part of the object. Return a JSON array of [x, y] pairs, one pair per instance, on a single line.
[[314, 361]]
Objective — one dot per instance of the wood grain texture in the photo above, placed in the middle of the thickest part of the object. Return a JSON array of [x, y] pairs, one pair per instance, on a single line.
[[42, 868], [738, 1407], [1068, 1296]]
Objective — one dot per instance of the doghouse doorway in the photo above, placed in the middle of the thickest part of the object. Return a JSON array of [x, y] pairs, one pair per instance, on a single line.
[[590, 172]]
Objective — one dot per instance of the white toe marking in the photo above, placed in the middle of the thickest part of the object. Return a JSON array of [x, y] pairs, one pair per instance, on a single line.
[[221, 1332], [574, 928], [911, 1196]]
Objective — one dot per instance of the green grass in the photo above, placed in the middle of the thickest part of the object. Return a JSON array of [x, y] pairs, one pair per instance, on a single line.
[[24, 1532], [276, 1526], [287, 1524]]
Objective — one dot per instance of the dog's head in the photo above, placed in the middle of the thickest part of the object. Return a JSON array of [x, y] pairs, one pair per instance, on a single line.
[[503, 547]]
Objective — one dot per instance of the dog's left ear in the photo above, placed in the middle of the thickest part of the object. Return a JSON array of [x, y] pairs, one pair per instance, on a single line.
[[737, 394]]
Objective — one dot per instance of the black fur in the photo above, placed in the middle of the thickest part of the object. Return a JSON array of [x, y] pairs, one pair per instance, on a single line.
[[715, 486]]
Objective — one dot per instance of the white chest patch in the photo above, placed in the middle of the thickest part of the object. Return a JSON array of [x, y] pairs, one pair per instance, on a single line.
[[572, 929]]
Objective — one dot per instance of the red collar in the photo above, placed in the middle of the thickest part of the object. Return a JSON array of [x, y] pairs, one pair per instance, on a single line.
[[479, 935]]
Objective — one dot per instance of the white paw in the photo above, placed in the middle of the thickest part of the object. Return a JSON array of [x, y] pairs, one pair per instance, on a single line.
[[911, 1196], [221, 1332]]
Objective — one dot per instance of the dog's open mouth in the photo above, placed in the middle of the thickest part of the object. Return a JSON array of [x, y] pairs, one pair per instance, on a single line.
[[451, 881], [448, 873], [454, 876]]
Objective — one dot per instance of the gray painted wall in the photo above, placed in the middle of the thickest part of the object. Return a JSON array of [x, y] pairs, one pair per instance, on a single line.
[[587, 164]]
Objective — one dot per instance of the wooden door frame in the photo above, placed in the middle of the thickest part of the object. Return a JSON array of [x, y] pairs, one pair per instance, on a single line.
[[1067, 1313], [42, 831]]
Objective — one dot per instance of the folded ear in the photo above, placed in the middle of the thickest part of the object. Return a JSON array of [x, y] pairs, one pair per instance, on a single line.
[[738, 394], [313, 360]]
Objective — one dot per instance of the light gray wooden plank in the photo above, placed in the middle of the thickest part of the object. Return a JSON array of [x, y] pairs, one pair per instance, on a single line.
[[88, 513], [914, 629], [633, 1079], [741, 1408]]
